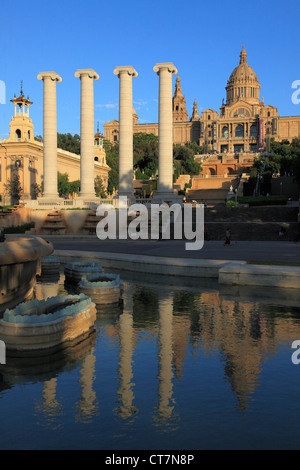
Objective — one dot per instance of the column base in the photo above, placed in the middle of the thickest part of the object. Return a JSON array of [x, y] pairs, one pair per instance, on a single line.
[[130, 198], [167, 197], [49, 201], [86, 201]]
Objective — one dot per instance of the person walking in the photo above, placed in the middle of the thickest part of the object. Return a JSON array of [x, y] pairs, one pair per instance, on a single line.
[[227, 237]]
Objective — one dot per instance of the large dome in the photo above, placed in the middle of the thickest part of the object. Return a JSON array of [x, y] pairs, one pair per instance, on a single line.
[[243, 73], [243, 82]]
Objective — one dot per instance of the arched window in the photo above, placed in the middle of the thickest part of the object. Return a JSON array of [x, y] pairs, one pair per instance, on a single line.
[[253, 131], [225, 132], [18, 134], [239, 131], [28, 135]]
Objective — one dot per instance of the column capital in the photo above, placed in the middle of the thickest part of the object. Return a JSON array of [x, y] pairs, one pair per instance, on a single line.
[[167, 65], [53, 75], [90, 72], [126, 69]]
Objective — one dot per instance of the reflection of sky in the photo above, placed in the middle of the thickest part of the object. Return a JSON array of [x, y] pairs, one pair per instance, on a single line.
[[174, 368]]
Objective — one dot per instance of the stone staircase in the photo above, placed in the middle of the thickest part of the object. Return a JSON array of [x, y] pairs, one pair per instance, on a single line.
[[90, 224], [53, 224], [212, 190], [211, 196]]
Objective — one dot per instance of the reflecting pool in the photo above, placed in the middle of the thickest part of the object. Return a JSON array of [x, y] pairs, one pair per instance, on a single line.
[[179, 365]]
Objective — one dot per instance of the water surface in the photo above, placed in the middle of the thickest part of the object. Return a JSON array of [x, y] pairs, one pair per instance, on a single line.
[[180, 365]]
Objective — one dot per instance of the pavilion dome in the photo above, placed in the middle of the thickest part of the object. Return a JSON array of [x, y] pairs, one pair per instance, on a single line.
[[243, 72], [243, 82]]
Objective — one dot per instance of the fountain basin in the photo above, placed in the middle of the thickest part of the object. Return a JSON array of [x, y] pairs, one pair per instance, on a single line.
[[50, 266], [20, 261], [44, 326], [75, 271], [102, 288]]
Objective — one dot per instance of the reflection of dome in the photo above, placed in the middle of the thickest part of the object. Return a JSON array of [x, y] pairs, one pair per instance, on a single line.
[[243, 82]]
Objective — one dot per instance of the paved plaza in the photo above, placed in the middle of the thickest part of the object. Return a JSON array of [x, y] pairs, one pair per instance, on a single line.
[[259, 251]]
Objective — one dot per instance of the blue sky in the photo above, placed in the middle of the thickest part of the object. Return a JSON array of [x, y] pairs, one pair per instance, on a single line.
[[202, 39]]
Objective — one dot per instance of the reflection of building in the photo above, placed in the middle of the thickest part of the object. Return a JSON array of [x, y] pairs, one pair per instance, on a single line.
[[242, 124], [23, 154]]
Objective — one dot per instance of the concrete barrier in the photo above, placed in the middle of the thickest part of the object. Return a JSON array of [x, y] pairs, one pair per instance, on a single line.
[[237, 273], [148, 264]]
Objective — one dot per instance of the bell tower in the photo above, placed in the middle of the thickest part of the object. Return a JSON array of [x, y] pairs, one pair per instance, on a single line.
[[21, 127], [179, 105], [195, 113]]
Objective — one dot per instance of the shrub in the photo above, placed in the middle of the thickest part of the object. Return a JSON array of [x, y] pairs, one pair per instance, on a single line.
[[19, 228], [230, 203], [263, 200]]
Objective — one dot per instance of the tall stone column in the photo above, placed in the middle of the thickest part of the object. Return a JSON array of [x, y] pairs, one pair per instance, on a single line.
[[165, 130], [87, 184], [50, 134], [125, 75]]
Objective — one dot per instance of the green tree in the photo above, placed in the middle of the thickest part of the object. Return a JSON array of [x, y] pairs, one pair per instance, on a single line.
[[99, 188], [267, 165], [296, 159], [74, 187], [69, 142], [283, 153], [62, 184], [36, 189], [184, 160], [112, 159], [145, 153], [14, 188]]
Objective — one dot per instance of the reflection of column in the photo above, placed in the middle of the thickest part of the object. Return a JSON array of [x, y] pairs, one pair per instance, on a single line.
[[165, 129], [87, 405], [49, 405], [125, 391], [165, 375], [125, 75], [87, 184], [44, 291], [50, 134]]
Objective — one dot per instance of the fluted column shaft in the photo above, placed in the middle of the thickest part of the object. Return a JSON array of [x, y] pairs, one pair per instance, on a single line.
[[87, 164], [125, 75], [165, 127], [50, 134]]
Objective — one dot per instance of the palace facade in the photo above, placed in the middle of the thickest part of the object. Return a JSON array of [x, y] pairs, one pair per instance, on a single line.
[[23, 154], [242, 125]]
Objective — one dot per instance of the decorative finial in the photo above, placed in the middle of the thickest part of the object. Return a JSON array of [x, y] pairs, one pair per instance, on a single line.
[[22, 88], [243, 55], [97, 126]]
